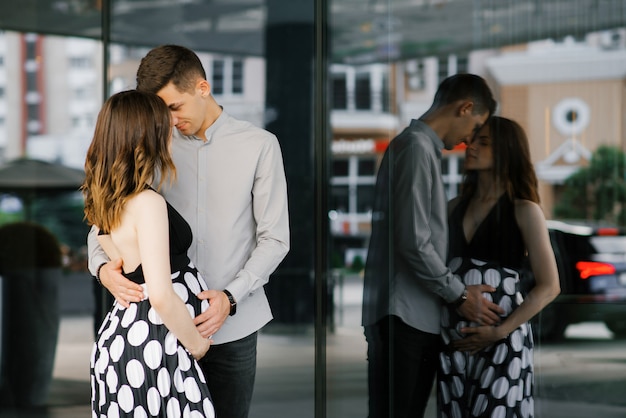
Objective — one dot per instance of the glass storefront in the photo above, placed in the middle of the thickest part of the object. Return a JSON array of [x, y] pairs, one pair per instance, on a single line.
[[335, 81]]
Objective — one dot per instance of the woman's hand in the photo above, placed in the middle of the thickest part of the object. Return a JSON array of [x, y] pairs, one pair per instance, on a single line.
[[478, 338]]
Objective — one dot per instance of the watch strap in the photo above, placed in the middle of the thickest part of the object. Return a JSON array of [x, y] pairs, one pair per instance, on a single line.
[[232, 301], [461, 298]]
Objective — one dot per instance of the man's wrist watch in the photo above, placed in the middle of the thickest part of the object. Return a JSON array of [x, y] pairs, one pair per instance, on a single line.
[[232, 301], [461, 298]]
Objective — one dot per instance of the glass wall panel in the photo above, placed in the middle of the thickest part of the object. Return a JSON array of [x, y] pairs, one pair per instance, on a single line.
[[334, 90], [405, 49], [52, 92]]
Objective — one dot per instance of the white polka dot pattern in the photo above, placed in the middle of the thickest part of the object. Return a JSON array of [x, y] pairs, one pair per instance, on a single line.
[[497, 381], [129, 315], [138, 333], [135, 373], [152, 354], [140, 369], [117, 348]]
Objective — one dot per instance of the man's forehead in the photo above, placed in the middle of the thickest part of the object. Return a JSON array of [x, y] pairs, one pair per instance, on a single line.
[[170, 96]]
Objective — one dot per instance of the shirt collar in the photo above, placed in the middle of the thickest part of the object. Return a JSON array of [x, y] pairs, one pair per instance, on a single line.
[[437, 142], [221, 120]]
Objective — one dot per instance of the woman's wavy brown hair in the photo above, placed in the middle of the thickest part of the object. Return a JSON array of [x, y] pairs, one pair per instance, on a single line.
[[130, 143], [512, 164]]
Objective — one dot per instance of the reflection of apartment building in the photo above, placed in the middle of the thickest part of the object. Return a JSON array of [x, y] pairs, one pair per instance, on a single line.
[[237, 83], [56, 92], [52, 99]]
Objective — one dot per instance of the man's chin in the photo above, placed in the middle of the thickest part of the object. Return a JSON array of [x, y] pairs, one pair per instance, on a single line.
[[183, 131]]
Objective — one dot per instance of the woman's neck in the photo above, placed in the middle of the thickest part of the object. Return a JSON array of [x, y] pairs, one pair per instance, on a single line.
[[488, 188]]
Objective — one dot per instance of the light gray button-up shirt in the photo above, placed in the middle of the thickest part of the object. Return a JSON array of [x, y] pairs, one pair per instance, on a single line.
[[406, 273], [232, 191]]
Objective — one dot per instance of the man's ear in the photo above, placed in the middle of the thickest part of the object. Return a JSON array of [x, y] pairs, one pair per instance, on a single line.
[[203, 87], [466, 108]]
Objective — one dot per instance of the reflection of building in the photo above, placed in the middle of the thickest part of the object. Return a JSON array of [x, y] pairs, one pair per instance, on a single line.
[[370, 105], [55, 94], [237, 83], [569, 96], [363, 120]]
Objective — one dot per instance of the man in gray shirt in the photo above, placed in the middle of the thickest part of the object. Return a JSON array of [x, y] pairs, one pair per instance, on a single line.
[[406, 277], [231, 189]]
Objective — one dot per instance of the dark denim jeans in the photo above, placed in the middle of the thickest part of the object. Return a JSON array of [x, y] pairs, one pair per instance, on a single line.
[[402, 362], [230, 370]]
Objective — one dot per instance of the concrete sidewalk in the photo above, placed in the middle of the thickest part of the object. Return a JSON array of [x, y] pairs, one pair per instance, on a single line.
[[285, 377]]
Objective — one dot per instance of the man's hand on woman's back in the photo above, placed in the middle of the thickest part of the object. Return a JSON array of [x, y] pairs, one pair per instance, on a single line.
[[123, 290]]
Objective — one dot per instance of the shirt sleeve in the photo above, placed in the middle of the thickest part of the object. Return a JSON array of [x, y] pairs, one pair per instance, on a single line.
[[96, 254], [415, 228], [270, 208]]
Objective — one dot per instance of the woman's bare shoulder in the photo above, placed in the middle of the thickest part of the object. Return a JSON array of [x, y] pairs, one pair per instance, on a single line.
[[146, 200], [528, 212]]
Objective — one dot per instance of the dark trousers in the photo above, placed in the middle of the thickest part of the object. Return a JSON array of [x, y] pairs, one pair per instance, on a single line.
[[230, 370], [402, 362]]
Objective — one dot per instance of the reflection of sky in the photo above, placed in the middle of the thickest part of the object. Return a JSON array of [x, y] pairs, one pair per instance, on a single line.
[[10, 204]]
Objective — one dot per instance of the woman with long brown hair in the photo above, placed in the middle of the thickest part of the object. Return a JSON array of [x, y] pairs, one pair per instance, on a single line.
[[144, 360], [495, 225]]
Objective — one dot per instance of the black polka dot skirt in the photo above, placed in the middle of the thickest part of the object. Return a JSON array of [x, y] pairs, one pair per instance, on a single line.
[[139, 369], [497, 382]]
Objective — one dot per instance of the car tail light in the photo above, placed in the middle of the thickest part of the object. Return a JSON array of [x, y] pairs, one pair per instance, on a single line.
[[593, 268], [608, 231]]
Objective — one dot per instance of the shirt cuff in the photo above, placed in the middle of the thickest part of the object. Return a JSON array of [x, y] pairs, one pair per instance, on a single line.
[[241, 285], [454, 291]]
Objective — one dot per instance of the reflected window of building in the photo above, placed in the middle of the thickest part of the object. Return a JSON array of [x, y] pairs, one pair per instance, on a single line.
[[362, 91], [227, 74], [80, 62], [218, 77], [340, 167], [367, 167], [452, 170], [452, 64], [339, 91], [237, 76], [352, 195], [415, 75], [362, 88], [340, 198], [364, 198]]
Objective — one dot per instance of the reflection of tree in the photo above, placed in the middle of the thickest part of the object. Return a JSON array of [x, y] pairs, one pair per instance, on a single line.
[[597, 192], [62, 215], [30, 267], [26, 245]]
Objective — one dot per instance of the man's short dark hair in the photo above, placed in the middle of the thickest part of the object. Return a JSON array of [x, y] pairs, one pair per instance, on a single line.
[[466, 87], [169, 63]]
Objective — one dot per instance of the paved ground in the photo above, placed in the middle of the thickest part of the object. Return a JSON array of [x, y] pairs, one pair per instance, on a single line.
[[285, 376]]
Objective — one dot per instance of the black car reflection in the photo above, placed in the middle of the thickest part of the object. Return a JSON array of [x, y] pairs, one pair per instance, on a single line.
[[591, 259]]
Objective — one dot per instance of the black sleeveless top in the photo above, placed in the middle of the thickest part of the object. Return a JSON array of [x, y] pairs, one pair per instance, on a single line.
[[497, 238], [180, 241]]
